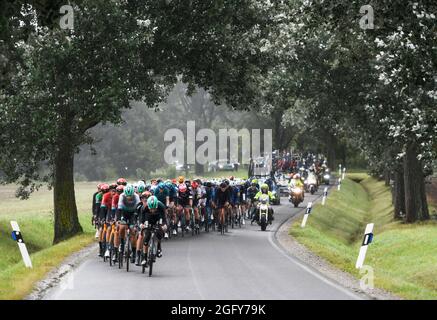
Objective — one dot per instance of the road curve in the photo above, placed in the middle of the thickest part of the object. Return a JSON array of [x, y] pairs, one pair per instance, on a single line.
[[244, 264]]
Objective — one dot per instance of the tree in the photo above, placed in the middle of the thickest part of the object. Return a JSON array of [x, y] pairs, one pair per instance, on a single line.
[[68, 81]]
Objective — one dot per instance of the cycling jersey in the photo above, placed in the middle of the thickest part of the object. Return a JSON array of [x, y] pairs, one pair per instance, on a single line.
[[172, 193], [161, 194], [115, 199], [184, 198], [97, 199], [221, 197], [144, 214], [197, 195], [130, 205], [235, 195], [251, 193]]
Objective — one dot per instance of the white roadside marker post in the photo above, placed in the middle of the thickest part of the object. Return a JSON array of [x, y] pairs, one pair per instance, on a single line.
[[16, 235], [307, 213], [339, 170], [368, 238], [325, 194], [344, 174], [339, 184]]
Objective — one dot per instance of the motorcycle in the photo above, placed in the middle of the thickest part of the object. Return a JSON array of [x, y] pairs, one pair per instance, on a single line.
[[326, 177], [312, 184], [296, 196], [263, 217]]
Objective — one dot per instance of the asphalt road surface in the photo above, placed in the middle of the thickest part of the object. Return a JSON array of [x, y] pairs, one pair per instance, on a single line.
[[245, 263]]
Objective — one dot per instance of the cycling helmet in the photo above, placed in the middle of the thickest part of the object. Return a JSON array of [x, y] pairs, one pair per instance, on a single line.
[[182, 187], [255, 181], [194, 184], [104, 187], [152, 202], [120, 189], [99, 186], [145, 195], [141, 187], [122, 181], [265, 186], [223, 185], [113, 186], [161, 185], [181, 179], [129, 190], [174, 181]]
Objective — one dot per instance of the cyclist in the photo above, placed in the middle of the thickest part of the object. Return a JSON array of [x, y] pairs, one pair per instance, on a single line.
[[197, 195], [97, 200], [105, 217], [98, 220], [127, 206], [116, 238], [209, 193], [154, 213], [139, 211], [162, 193], [221, 201], [172, 195], [250, 196], [235, 197], [184, 204]]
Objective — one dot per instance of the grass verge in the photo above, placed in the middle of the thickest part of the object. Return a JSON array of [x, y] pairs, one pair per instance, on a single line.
[[403, 256], [35, 219]]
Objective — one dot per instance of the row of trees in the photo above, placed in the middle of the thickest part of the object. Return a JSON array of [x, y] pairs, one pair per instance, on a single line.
[[377, 87], [305, 64]]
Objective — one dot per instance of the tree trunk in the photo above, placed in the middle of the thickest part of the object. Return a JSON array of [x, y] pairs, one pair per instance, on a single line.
[[65, 210], [387, 177], [416, 206], [399, 194]]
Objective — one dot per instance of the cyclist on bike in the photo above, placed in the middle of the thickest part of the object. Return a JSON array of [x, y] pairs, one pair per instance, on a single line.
[[197, 195], [172, 195], [97, 220], [139, 211], [221, 201], [127, 206], [115, 199], [251, 192], [162, 193], [154, 213], [184, 204], [105, 217]]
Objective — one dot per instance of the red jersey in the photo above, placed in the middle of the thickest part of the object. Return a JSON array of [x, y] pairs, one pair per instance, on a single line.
[[107, 200], [115, 199]]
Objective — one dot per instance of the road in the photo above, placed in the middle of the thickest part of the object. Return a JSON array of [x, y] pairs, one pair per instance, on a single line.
[[243, 264]]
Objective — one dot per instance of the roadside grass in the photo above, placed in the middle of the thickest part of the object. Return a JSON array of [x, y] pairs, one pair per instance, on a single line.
[[403, 256], [35, 218], [241, 173]]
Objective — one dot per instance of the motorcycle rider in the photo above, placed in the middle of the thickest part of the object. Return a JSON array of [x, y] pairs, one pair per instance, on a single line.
[[271, 197]]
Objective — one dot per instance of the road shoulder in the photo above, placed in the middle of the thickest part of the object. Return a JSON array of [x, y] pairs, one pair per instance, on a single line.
[[307, 257], [59, 276]]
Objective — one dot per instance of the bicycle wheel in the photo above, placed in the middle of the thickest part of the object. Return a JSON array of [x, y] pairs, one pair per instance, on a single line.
[[150, 255], [111, 252], [128, 253]]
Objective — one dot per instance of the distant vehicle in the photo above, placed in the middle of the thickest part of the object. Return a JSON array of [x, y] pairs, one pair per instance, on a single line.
[[282, 184], [221, 165]]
